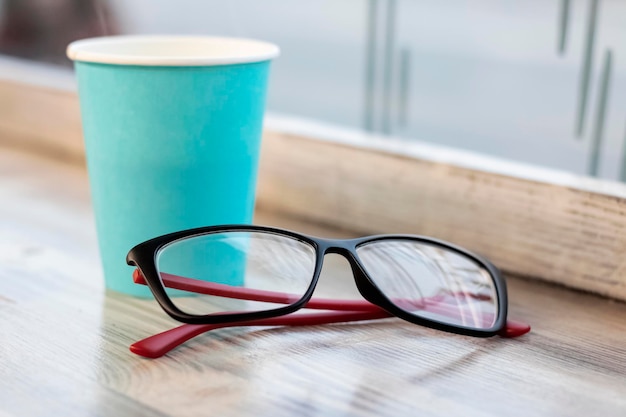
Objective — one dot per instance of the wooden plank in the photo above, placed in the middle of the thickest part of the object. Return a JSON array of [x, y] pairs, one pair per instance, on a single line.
[[562, 234], [64, 339], [44, 121]]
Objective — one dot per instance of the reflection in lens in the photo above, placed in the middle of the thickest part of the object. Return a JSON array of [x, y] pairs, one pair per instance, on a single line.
[[432, 282], [241, 264]]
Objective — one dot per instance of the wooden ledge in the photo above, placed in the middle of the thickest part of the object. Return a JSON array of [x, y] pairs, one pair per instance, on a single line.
[[558, 230]]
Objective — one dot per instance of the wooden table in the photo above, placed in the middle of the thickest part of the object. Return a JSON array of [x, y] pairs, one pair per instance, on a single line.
[[64, 339]]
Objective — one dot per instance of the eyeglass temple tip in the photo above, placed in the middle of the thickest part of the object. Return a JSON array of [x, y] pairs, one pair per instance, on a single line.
[[514, 328], [138, 277]]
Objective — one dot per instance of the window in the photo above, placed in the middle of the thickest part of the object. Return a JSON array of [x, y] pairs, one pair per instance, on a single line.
[[532, 81]]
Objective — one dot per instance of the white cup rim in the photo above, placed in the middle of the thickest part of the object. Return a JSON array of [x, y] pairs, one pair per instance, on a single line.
[[171, 50]]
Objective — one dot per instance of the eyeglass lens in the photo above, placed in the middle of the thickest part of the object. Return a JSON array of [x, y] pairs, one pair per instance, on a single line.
[[432, 282], [420, 278], [280, 265]]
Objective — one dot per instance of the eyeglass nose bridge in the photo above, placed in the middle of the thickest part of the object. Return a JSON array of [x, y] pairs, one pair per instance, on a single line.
[[365, 286]]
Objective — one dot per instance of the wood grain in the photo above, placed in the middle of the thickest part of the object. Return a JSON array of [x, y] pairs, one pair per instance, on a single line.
[[64, 339]]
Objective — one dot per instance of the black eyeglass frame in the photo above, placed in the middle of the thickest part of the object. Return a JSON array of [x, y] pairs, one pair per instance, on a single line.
[[143, 256]]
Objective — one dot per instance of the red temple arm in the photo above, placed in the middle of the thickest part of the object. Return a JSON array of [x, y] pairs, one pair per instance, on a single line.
[[433, 304], [223, 290], [159, 344]]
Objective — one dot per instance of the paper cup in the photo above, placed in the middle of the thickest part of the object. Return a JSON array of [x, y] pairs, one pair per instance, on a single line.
[[172, 128]]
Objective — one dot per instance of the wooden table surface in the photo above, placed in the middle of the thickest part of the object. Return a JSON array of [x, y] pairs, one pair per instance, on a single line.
[[64, 339]]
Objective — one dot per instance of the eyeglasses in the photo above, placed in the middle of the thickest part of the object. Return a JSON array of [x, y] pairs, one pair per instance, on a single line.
[[238, 275]]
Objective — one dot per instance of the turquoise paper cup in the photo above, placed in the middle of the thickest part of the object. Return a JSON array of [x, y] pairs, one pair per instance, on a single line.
[[172, 128]]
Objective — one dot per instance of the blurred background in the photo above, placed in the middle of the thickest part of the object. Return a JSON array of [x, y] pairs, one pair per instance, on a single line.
[[536, 81]]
